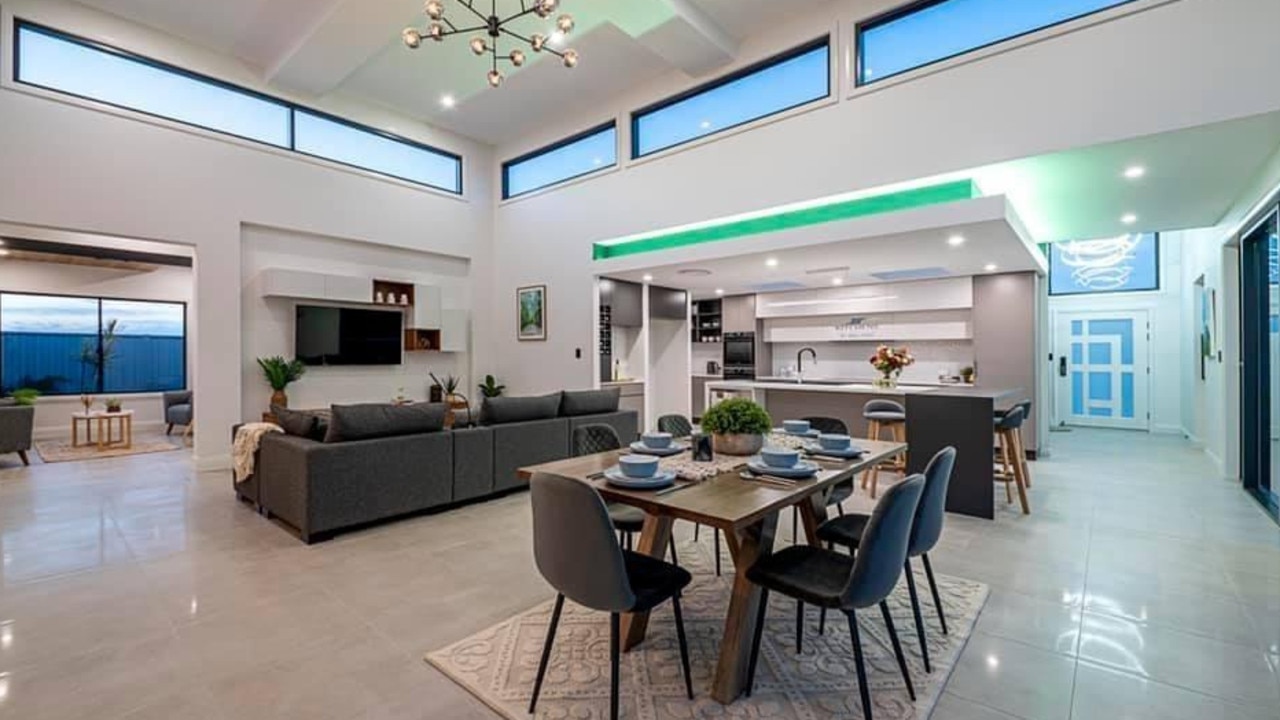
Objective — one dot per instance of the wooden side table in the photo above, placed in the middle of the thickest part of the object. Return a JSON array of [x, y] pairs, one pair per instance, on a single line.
[[106, 425]]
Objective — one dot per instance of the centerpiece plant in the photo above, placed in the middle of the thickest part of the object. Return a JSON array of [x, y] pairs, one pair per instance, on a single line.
[[737, 426], [889, 362], [280, 373]]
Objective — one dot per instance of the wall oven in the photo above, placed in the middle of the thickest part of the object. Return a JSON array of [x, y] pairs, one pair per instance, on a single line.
[[740, 356]]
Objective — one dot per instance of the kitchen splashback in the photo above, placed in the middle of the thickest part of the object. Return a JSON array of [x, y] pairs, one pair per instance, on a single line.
[[849, 359]]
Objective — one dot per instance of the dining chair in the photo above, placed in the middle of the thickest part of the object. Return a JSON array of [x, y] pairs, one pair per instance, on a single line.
[[1013, 458], [884, 415], [840, 492], [680, 427], [836, 581], [926, 530], [575, 552], [627, 519]]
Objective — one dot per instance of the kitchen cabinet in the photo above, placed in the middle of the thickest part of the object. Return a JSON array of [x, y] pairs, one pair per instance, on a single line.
[[427, 311], [631, 397], [625, 303], [668, 304], [698, 403], [738, 313]]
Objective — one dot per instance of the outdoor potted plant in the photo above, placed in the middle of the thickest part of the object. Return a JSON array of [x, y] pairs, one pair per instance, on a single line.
[[737, 426], [889, 362], [279, 374], [113, 404], [25, 396]]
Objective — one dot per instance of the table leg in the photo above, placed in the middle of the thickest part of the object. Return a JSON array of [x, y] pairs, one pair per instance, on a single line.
[[654, 539], [100, 421], [746, 546], [75, 433], [128, 432]]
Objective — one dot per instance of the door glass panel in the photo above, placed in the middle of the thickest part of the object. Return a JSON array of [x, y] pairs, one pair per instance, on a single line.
[[1273, 355]]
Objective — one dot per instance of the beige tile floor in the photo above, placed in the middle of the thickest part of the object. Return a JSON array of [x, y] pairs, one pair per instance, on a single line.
[[135, 588]]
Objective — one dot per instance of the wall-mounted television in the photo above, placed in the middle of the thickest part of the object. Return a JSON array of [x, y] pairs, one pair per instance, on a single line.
[[348, 336]]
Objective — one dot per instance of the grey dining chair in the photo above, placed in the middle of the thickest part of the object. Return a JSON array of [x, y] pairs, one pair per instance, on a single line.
[[574, 549], [832, 580], [627, 519], [680, 427], [926, 530]]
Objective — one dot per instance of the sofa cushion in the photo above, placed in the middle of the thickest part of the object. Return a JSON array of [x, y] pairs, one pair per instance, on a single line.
[[365, 422], [589, 402], [503, 410], [299, 424]]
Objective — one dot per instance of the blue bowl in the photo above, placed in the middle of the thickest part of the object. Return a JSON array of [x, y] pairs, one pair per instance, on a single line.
[[656, 440], [796, 427], [834, 442], [780, 457], [638, 466]]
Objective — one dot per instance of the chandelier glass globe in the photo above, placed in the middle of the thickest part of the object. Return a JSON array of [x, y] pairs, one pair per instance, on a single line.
[[564, 24], [495, 78], [412, 38], [570, 58], [479, 46], [517, 57], [544, 8]]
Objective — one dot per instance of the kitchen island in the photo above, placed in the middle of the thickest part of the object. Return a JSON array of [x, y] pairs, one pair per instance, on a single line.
[[962, 416]]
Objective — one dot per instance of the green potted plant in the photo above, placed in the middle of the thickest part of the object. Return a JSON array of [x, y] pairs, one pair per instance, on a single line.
[[113, 404], [967, 374], [490, 387], [26, 396], [279, 373], [737, 426], [453, 399]]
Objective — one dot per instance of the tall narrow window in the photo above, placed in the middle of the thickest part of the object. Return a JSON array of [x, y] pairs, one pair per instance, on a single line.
[[795, 78], [582, 154], [931, 31]]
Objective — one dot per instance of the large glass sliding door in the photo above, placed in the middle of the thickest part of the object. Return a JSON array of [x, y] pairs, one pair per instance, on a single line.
[[1260, 351]]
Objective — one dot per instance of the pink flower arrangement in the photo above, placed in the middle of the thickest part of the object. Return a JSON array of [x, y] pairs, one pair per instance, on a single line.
[[890, 360]]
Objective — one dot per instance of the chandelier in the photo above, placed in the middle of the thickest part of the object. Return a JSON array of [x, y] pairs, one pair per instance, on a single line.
[[490, 31]]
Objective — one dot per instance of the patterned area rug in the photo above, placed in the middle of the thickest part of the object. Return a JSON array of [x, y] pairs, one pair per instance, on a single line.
[[498, 665], [56, 451]]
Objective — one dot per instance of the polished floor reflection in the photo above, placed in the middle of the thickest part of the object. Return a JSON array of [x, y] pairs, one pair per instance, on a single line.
[[135, 588]]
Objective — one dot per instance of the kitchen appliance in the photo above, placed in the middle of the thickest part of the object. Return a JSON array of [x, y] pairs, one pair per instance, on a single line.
[[713, 367], [740, 356]]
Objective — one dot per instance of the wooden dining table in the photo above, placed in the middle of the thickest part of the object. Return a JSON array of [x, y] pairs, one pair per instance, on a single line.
[[745, 510]]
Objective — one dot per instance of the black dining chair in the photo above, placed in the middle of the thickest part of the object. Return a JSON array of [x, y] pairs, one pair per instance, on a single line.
[[680, 427], [574, 550], [840, 492], [628, 520], [832, 580], [926, 530]]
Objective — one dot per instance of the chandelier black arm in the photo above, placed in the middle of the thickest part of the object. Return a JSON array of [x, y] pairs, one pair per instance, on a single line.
[[518, 36], [457, 31], [467, 4], [520, 14]]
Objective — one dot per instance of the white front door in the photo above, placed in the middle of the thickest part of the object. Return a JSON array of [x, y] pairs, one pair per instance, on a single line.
[[1103, 372]]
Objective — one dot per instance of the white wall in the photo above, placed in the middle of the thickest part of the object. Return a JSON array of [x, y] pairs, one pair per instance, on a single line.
[[704, 353], [1078, 89], [53, 414], [669, 384], [267, 324], [1167, 348], [69, 165]]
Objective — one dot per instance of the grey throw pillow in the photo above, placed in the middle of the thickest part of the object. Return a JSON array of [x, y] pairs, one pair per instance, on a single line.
[[296, 423], [590, 402], [502, 410], [365, 422]]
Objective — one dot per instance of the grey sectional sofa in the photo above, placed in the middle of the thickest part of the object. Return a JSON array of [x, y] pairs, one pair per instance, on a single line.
[[370, 463]]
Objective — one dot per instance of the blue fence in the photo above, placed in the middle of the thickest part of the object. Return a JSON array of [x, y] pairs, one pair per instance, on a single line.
[[53, 364]]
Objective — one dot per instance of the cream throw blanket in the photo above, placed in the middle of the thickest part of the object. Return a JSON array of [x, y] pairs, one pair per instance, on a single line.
[[246, 444]]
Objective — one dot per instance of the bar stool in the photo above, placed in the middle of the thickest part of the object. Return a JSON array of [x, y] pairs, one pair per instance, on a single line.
[[1012, 470], [884, 415], [1026, 415]]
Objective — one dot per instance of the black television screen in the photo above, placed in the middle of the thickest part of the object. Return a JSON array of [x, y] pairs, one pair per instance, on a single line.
[[347, 336]]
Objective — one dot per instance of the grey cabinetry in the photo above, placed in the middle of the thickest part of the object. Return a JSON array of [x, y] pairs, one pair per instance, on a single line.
[[624, 302], [668, 304], [738, 314]]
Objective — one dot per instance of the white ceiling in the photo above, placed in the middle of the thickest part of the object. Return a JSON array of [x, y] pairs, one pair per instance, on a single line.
[[353, 48]]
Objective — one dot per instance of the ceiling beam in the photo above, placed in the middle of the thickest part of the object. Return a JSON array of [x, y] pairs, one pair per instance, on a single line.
[[691, 40]]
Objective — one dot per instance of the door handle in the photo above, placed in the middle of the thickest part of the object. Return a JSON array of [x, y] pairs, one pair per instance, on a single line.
[[1062, 366]]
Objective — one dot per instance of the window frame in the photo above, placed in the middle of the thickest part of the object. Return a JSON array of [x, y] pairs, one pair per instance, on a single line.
[[589, 132], [1159, 276], [290, 107], [825, 40], [916, 6], [99, 299]]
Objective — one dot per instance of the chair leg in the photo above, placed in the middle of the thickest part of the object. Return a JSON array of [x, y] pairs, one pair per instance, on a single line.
[[626, 542], [1022, 460], [696, 528], [873, 433], [799, 627], [1019, 478], [671, 544], [863, 690], [795, 524], [22, 455], [1005, 471], [716, 543], [839, 509], [755, 641], [684, 646], [546, 652], [933, 587], [915, 610], [897, 649], [615, 632], [169, 430], [822, 621]]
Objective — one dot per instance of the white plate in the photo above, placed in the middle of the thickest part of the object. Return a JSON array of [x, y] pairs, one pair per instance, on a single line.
[[639, 447], [664, 478], [800, 471], [813, 433]]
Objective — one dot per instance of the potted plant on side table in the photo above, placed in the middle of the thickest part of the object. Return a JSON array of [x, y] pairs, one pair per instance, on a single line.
[[737, 426], [280, 373], [453, 399]]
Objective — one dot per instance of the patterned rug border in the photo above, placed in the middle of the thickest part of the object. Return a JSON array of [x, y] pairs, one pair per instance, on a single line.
[[45, 448], [438, 660]]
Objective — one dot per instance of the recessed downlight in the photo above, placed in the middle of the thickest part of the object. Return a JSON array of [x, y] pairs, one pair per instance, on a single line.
[[837, 281], [448, 101], [771, 262], [1129, 218], [693, 272], [1135, 172], [955, 240], [648, 277], [991, 267], [719, 291]]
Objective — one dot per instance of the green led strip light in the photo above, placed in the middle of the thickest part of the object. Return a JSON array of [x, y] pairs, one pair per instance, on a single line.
[[788, 219]]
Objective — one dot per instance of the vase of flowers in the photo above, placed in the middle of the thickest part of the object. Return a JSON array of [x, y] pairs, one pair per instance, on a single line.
[[889, 362], [737, 426]]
